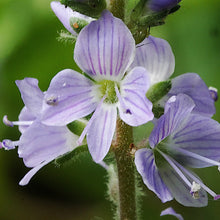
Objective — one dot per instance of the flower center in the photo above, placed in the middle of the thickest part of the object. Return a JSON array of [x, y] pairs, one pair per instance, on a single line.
[[107, 87]]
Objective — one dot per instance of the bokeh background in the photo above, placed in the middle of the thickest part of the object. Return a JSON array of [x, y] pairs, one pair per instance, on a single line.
[[29, 48]]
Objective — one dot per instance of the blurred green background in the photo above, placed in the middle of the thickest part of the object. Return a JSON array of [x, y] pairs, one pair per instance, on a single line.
[[28, 48]]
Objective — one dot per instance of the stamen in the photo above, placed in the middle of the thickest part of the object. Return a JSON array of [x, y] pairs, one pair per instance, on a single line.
[[8, 144], [198, 157], [195, 190], [179, 172], [217, 197], [7, 122], [214, 93], [126, 110], [52, 100], [94, 116], [12, 123], [213, 194]]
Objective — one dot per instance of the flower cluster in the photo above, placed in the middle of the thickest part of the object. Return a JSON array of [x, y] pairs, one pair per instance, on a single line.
[[117, 74]]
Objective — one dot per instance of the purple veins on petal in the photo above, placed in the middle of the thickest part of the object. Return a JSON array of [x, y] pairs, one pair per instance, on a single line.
[[105, 48]]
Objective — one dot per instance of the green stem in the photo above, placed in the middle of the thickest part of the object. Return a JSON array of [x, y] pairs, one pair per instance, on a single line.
[[126, 172]]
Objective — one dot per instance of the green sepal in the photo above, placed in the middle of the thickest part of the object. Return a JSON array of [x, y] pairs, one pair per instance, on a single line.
[[159, 159], [158, 111], [158, 91], [77, 127], [77, 24], [66, 37], [72, 156], [91, 8]]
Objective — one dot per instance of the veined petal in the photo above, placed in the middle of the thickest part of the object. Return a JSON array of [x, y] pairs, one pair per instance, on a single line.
[[201, 136], [192, 85], [156, 56], [134, 108], [25, 115], [31, 94], [137, 79], [65, 13], [105, 48], [176, 112], [145, 163], [101, 131], [171, 211], [25, 180], [72, 98], [40, 142]]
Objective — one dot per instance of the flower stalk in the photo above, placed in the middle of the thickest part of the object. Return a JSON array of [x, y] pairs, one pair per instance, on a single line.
[[126, 171]]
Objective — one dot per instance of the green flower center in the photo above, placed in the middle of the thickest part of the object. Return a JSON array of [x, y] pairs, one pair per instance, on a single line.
[[107, 87]]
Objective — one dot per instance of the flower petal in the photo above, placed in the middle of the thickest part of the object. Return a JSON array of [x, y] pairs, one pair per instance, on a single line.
[[134, 108], [156, 56], [31, 94], [105, 48], [179, 189], [159, 5], [192, 85], [101, 132], [199, 135], [145, 163], [171, 211], [73, 99], [177, 109], [65, 13], [40, 142], [25, 180], [25, 115], [138, 79]]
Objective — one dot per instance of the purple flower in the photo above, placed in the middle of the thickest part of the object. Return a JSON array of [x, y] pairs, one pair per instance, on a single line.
[[159, 5], [65, 14], [171, 211], [39, 144], [179, 140], [104, 50], [156, 56]]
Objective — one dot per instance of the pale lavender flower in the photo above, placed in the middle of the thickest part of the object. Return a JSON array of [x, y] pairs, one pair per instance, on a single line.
[[156, 56], [171, 211], [159, 5], [65, 14], [104, 50], [179, 140], [39, 144]]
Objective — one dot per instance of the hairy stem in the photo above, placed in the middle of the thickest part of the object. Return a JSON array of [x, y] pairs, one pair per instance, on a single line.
[[126, 172], [117, 7]]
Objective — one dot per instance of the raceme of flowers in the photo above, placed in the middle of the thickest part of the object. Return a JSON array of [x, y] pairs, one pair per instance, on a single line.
[[116, 76]]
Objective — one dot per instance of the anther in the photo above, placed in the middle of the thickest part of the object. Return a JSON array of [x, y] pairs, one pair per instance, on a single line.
[[214, 93], [8, 144], [52, 100], [7, 122], [195, 190], [217, 197]]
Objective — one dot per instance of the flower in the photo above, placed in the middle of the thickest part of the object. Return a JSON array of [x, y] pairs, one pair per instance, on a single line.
[[179, 140], [39, 144], [156, 56], [73, 21], [171, 211], [159, 5], [104, 50]]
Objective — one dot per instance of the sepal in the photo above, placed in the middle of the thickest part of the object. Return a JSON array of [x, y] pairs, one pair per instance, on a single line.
[[158, 91], [87, 7], [72, 156]]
